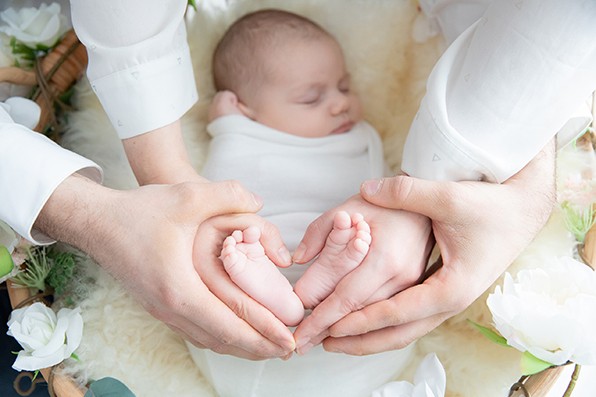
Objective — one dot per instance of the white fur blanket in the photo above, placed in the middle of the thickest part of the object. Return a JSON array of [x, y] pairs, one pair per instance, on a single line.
[[389, 71]]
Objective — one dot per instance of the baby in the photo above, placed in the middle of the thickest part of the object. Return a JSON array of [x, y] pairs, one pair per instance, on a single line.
[[281, 78], [288, 126]]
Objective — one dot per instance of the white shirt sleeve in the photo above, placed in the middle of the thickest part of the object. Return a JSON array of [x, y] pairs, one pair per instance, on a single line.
[[32, 167], [503, 89], [139, 60]]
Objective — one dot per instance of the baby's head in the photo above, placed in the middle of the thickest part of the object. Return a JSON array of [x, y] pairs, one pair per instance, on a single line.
[[288, 73]]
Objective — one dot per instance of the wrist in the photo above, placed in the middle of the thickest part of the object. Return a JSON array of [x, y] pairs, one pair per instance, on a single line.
[[171, 173], [74, 212]]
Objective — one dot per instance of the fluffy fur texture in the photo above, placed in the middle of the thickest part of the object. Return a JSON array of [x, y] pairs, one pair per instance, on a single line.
[[389, 70]]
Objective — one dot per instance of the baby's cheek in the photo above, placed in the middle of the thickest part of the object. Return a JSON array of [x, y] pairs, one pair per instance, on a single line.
[[356, 108]]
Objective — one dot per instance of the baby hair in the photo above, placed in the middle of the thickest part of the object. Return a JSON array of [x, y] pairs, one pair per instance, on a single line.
[[240, 58]]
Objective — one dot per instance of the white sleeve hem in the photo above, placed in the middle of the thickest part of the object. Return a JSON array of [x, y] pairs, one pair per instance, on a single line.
[[165, 85]]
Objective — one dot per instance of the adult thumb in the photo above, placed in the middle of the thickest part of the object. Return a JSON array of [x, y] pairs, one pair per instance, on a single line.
[[407, 193], [227, 197]]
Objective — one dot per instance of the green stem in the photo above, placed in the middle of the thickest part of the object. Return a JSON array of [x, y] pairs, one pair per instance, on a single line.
[[573, 380]]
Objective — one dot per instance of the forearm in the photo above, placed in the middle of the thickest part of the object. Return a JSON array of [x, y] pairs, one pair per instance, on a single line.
[[76, 213], [160, 156], [503, 90]]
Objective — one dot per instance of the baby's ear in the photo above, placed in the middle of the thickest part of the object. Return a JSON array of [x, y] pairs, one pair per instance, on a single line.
[[224, 103], [247, 111]]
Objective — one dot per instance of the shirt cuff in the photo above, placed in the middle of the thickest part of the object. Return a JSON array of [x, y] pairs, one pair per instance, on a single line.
[[33, 167], [149, 95]]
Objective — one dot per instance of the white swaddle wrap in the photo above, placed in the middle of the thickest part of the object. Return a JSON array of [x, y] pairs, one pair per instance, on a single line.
[[298, 179]]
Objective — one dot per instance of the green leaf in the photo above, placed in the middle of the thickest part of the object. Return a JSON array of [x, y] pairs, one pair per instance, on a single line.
[[62, 270], [6, 263], [490, 334], [530, 364], [108, 387], [193, 4]]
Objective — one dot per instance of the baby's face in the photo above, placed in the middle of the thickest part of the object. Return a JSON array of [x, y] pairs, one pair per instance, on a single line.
[[308, 93]]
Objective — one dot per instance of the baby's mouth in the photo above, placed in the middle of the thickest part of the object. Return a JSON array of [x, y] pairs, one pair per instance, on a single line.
[[345, 127]]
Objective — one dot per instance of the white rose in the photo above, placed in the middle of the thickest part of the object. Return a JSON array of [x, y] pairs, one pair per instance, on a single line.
[[32, 26], [8, 90], [46, 338], [549, 312], [429, 381]]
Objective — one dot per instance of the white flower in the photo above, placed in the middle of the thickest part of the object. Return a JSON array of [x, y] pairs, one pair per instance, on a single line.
[[549, 312], [6, 56], [429, 381], [8, 90], [46, 338], [32, 26], [22, 111]]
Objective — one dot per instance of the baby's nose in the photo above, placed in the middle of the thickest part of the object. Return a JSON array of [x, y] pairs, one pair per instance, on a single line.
[[341, 103]]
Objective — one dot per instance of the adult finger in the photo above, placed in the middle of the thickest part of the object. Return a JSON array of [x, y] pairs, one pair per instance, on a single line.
[[200, 313], [216, 198], [208, 342], [246, 308], [383, 269], [349, 295], [415, 303], [430, 198], [390, 338], [213, 274], [314, 238], [202, 340], [275, 248]]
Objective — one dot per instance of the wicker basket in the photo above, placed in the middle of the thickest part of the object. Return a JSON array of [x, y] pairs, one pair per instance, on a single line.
[[56, 74], [53, 75]]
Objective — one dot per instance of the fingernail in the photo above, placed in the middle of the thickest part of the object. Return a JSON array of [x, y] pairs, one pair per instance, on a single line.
[[257, 199], [372, 187], [304, 348], [285, 256], [287, 356], [333, 349], [299, 253]]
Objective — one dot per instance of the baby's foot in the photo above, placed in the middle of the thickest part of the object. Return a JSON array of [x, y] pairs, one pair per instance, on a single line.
[[224, 103], [345, 248], [249, 267]]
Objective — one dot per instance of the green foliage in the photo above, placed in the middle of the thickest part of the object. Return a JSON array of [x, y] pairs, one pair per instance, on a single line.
[[578, 221], [37, 269], [47, 266], [62, 270], [490, 334], [6, 263], [193, 4], [531, 364], [108, 387], [25, 56]]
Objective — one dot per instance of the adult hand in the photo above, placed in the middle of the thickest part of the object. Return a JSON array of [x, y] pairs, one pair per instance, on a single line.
[[145, 238], [398, 253], [208, 246], [480, 229]]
